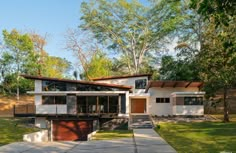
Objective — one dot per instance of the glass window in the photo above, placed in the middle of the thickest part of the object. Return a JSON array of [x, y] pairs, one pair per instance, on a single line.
[[82, 104], [48, 86], [140, 84], [162, 100], [103, 104], [51, 100], [53, 86], [92, 104], [47, 100], [113, 104], [60, 100], [193, 100]]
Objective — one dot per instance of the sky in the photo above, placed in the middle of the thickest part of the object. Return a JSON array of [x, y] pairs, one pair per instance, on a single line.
[[51, 17]]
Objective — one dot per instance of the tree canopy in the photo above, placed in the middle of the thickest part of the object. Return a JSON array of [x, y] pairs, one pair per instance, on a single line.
[[131, 28]]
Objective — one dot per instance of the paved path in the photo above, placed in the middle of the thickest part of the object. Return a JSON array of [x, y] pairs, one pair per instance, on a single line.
[[145, 141], [148, 141], [103, 146]]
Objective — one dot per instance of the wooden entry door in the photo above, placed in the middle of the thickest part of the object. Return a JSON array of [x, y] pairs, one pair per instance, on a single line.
[[138, 105]]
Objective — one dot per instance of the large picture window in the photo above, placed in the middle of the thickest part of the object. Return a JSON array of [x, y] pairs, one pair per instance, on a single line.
[[51, 100], [140, 84], [193, 100], [53, 86]]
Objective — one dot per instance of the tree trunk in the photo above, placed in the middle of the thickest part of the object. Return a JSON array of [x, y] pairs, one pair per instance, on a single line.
[[226, 111]]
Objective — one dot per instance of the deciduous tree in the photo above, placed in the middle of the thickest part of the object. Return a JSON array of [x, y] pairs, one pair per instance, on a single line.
[[130, 28]]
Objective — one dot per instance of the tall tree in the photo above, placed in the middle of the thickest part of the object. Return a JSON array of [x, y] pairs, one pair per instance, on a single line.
[[84, 47], [19, 51], [218, 60], [131, 28], [39, 49], [218, 54]]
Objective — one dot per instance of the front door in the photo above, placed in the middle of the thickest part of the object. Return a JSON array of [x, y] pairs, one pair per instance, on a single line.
[[138, 105]]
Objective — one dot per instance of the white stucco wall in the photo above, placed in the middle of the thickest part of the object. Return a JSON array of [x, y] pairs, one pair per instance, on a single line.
[[41, 122], [127, 82], [41, 136], [188, 110], [164, 108]]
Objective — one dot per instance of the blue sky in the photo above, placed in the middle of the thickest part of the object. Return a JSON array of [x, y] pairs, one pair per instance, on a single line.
[[53, 17]]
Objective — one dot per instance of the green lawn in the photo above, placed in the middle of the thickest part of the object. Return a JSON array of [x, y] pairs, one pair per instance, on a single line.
[[113, 134], [212, 137], [12, 130]]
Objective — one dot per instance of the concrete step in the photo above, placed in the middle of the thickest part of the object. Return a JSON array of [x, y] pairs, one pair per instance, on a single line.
[[140, 121]]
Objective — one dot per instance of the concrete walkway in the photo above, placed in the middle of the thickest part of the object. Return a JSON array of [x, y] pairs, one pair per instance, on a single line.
[[144, 141], [102, 146], [148, 141]]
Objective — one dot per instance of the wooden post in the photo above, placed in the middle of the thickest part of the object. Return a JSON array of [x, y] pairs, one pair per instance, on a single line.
[[108, 104], [14, 110], [97, 109], [119, 104], [87, 109], [27, 108]]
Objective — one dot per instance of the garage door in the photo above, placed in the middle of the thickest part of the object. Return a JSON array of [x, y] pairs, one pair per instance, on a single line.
[[71, 130], [138, 105]]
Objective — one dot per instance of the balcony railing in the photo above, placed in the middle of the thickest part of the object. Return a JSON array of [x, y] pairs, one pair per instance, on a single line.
[[32, 110], [24, 110], [51, 109]]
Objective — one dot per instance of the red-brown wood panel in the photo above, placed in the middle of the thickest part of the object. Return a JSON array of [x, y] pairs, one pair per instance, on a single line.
[[71, 130], [138, 105]]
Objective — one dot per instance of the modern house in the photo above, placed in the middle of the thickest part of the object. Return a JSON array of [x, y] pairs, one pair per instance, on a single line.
[[72, 109]]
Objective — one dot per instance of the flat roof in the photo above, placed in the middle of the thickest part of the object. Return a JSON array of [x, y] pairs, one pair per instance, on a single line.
[[76, 81], [120, 77], [173, 84]]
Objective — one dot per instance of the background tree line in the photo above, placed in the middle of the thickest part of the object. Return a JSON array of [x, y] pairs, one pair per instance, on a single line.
[[24, 53]]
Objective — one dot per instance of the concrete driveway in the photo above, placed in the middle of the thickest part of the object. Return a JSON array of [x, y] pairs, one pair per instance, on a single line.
[[103, 146], [144, 141]]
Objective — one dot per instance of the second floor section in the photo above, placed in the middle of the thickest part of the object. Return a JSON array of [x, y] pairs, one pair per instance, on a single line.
[[45, 85], [138, 82]]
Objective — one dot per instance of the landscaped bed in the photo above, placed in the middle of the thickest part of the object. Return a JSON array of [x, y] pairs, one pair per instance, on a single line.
[[200, 136], [12, 130], [112, 134]]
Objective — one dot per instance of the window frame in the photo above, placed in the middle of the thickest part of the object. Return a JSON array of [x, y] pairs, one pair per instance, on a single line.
[[162, 100], [54, 101], [143, 84], [193, 101]]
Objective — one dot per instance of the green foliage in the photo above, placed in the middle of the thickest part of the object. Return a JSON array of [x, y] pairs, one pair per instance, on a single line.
[[24, 54], [99, 66], [178, 69], [55, 67], [131, 28], [18, 57], [221, 10]]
